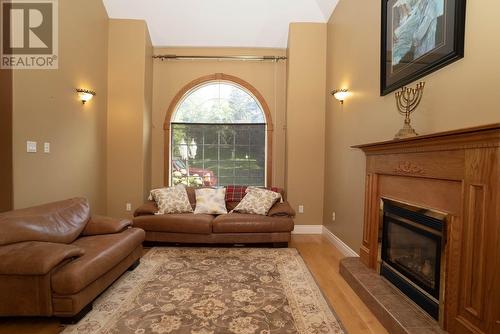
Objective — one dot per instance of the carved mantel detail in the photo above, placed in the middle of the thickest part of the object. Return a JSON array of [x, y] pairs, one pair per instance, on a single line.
[[408, 167]]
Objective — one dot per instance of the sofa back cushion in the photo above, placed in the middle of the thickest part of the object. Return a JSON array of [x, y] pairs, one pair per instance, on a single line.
[[192, 196], [60, 222]]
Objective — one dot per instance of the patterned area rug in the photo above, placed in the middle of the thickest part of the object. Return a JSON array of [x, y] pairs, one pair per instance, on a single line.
[[213, 290]]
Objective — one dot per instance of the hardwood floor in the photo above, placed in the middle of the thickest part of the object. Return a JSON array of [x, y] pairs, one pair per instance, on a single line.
[[322, 259]]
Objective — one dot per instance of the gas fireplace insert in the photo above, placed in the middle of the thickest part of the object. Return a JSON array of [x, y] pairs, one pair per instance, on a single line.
[[412, 252]]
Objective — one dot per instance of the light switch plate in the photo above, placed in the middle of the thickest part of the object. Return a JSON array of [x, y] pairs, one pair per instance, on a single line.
[[301, 209], [46, 147], [128, 207], [31, 146]]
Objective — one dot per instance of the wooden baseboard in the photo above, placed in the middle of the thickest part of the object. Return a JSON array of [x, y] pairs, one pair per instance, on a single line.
[[339, 244], [308, 229]]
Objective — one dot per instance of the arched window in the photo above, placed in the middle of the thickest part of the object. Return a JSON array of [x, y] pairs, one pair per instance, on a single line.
[[218, 136]]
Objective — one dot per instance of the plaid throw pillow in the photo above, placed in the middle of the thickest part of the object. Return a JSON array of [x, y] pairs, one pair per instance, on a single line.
[[235, 193]]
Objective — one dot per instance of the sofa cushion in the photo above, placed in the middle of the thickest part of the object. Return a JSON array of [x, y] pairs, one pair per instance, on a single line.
[[176, 222], [191, 192], [281, 209], [257, 201], [171, 200], [105, 225], [247, 223], [102, 253], [210, 201], [35, 257], [148, 208], [231, 205], [59, 222]]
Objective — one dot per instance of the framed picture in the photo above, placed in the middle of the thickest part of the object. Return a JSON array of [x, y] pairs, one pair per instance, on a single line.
[[419, 37]]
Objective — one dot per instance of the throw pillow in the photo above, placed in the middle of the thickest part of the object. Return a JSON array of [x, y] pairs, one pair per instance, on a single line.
[[235, 193], [276, 190], [210, 201], [171, 200], [257, 201]]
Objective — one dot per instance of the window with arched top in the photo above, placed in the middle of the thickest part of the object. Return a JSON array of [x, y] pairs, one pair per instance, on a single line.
[[218, 136]]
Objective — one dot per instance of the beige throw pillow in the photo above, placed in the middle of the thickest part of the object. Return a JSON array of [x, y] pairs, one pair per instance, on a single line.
[[171, 200], [250, 188], [257, 201], [210, 201]]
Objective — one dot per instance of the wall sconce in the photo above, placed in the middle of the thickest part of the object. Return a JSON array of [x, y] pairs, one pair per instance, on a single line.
[[85, 94], [340, 94]]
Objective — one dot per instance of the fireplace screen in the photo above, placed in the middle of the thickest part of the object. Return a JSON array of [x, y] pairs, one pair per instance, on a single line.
[[411, 252]]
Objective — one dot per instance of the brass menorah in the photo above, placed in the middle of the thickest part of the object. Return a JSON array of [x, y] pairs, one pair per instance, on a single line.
[[407, 100]]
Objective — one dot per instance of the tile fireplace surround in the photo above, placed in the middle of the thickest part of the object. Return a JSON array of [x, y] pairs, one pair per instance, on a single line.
[[456, 173]]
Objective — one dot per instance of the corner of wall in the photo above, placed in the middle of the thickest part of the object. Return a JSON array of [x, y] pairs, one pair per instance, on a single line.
[[306, 81], [130, 75]]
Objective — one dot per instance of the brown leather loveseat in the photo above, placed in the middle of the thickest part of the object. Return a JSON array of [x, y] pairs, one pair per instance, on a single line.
[[231, 228], [56, 258]]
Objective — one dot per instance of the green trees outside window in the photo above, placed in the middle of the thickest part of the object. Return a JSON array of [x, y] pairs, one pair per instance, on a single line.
[[218, 137]]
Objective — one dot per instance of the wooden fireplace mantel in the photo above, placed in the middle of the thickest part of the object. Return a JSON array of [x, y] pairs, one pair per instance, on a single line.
[[455, 172], [478, 136]]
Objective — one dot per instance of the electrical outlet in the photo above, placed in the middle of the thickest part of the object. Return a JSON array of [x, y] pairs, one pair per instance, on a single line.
[[46, 147], [301, 209], [31, 146], [333, 216], [128, 207]]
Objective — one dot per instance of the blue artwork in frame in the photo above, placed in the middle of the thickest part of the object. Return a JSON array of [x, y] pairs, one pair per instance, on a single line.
[[419, 37]]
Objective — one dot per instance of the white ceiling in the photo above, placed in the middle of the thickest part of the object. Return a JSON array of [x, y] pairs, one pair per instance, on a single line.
[[221, 23]]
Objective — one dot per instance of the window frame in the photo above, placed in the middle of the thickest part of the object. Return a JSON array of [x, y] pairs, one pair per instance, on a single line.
[[195, 84]]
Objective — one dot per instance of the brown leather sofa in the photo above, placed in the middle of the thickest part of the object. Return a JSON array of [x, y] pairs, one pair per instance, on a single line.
[[55, 259], [231, 228]]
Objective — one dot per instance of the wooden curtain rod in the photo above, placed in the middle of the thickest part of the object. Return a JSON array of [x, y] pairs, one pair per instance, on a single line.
[[241, 58]]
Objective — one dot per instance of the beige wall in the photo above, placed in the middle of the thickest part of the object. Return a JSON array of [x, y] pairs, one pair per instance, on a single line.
[[170, 76], [6, 172], [460, 95], [306, 120], [129, 109], [47, 109]]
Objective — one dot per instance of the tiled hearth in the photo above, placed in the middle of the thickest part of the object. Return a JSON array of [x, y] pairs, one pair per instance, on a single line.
[[394, 310]]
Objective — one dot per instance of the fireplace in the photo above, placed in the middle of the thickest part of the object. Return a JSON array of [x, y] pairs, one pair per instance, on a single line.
[[454, 172], [411, 253]]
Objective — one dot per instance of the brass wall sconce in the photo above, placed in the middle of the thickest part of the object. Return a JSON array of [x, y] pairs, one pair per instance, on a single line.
[[85, 94], [340, 94]]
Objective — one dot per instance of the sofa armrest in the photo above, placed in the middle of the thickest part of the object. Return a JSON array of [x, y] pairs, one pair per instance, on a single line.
[[105, 225], [281, 209], [148, 208], [35, 257]]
